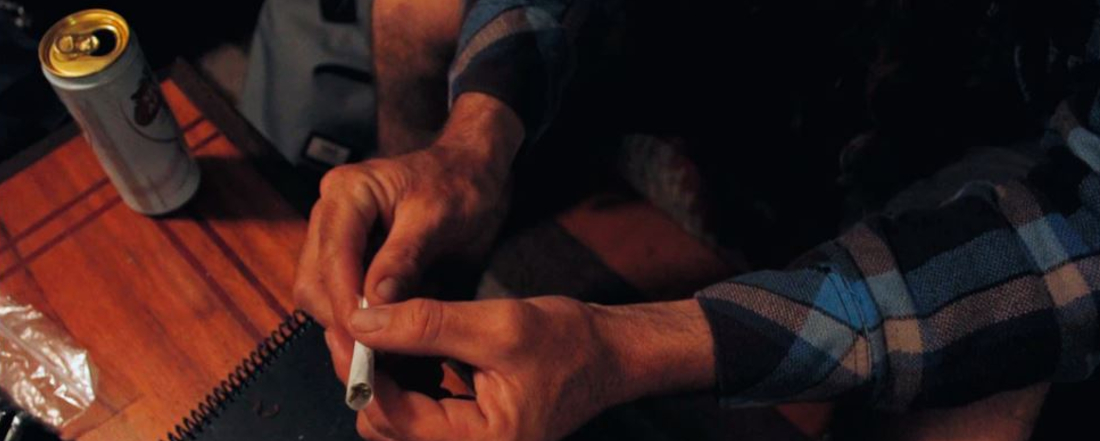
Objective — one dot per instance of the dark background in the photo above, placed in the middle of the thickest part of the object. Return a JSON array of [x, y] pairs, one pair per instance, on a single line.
[[166, 30]]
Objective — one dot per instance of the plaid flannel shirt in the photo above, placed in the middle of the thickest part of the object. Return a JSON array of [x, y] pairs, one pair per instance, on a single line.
[[519, 51], [996, 289]]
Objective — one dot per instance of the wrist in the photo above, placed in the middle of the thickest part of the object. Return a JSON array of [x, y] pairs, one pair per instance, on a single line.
[[656, 348], [484, 132]]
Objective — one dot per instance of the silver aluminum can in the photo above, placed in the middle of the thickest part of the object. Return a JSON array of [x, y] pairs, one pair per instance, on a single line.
[[95, 65]]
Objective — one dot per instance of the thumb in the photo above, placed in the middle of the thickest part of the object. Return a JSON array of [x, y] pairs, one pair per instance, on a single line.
[[397, 266], [423, 327]]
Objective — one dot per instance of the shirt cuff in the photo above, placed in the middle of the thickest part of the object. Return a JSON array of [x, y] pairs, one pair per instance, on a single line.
[[773, 348], [523, 70]]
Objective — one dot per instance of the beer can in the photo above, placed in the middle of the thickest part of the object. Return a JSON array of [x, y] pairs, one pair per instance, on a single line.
[[95, 65]]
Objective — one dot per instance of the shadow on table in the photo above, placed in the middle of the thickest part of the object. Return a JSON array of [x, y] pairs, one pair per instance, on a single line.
[[252, 189]]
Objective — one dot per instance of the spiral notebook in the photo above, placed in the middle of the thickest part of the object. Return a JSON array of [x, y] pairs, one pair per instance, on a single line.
[[284, 390]]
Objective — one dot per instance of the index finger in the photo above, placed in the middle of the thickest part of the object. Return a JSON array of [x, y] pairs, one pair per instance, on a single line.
[[340, 231]]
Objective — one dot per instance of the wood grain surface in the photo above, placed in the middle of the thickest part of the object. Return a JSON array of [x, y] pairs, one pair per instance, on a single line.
[[166, 306]]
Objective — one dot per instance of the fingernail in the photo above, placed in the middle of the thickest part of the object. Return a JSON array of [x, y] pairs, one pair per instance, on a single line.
[[370, 319], [387, 289]]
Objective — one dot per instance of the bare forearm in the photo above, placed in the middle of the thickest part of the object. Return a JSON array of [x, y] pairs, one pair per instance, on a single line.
[[657, 348], [485, 130]]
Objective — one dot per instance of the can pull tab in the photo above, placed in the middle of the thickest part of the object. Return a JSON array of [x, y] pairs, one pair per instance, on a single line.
[[75, 45], [96, 43]]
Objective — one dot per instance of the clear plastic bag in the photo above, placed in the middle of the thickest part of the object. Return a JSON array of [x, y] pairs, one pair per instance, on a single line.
[[41, 368]]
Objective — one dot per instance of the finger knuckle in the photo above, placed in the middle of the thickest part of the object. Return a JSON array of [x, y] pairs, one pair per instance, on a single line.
[[376, 423], [426, 318], [510, 330], [470, 202], [336, 180], [407, 255], [364, 183]]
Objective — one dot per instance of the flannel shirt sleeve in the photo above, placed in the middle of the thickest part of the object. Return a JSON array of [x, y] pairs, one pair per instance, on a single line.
[[996, 289], [519, 51]]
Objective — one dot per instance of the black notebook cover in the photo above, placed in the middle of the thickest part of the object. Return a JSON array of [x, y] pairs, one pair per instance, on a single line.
[[285, 390]]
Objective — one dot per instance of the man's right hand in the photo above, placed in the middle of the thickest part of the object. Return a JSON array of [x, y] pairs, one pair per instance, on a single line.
[[447, 200]]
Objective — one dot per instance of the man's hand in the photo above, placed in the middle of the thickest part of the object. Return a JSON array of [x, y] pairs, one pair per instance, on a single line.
[[425, 200], [542, 366], [445, 200]]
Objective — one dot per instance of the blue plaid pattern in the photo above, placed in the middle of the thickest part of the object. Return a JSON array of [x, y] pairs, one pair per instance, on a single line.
[[519, 51], [996, 289]]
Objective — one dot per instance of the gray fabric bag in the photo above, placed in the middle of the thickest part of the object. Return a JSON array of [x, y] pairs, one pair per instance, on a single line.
[[310, 82]]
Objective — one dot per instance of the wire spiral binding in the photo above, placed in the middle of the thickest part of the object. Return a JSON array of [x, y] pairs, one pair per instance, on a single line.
[[229, 388]]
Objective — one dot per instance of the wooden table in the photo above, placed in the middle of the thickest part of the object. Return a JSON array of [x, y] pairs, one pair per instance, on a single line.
[[166, 306]]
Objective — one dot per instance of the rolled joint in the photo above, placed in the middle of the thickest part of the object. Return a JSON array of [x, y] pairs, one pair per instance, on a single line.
[[361, 374]]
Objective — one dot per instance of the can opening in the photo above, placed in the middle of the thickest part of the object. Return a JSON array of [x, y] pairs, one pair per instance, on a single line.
[[84, 43], [107, 42]]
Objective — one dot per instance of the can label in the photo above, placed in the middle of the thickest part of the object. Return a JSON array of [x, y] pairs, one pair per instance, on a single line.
[[137, 141]]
